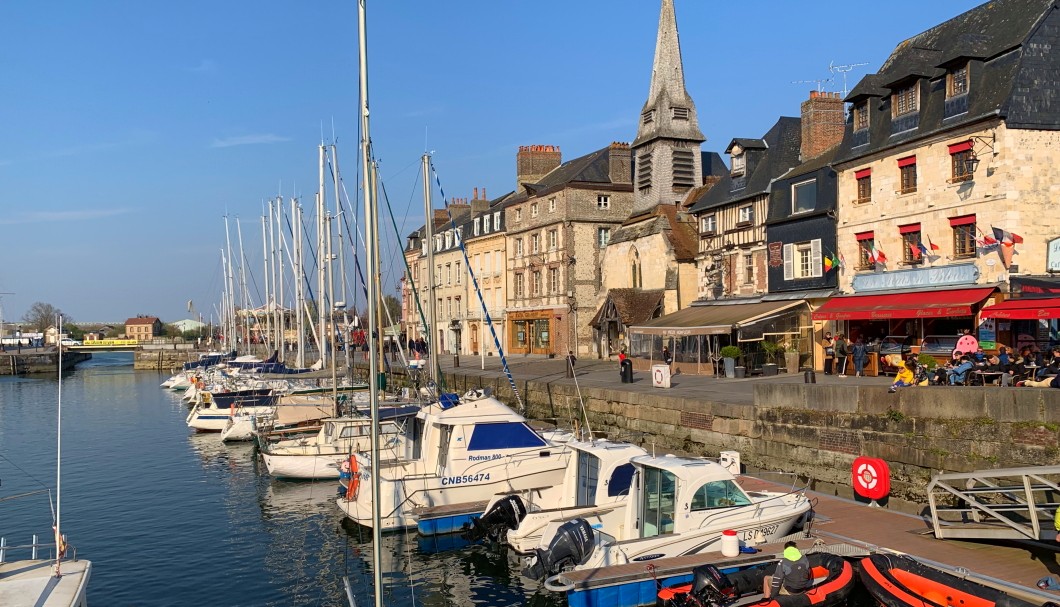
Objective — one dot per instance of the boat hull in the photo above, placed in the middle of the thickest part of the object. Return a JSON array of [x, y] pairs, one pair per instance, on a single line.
[[900, 581]]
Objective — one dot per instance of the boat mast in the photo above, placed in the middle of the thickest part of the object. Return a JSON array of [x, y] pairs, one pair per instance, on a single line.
[[342, 301], [371, 229], [428, 212], [59, 549], [281, 313], [321, 269], [296, 235], [231, 312], [247, 305], [265, 260]]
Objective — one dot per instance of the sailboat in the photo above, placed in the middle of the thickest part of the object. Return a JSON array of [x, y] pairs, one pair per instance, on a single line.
[[59, 581]]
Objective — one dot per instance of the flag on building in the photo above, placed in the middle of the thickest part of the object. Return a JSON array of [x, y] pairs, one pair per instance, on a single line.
[[986, 241], [842, 261], [914, 250], [920, 246], [877, 255], [836, 263], [1006, 238], [931, 245], [827, 264]]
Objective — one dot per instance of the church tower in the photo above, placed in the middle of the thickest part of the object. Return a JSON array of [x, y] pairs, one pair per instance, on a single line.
[[666, 152]]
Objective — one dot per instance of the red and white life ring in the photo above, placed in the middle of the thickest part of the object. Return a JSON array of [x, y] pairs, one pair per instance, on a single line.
[[871, 477], [355, 480]]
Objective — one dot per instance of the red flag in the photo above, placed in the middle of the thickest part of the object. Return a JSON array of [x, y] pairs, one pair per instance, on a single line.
[[931, 245], [1006, 238], [880, 257], [914, 250]]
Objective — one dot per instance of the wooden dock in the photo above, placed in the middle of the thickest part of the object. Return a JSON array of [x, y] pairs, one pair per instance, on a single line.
[[1012, 566]]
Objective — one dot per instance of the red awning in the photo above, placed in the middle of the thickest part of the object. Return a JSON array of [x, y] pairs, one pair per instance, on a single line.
[[914, 304], [1025, 309]]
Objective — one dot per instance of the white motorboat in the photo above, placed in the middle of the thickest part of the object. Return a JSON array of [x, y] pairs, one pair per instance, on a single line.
[[677, 506], [213, 411], [320, 456], [595, 487], [460, 453]]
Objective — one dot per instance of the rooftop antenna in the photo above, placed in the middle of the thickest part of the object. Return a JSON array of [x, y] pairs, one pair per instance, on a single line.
[[843, 69], [820, 83]]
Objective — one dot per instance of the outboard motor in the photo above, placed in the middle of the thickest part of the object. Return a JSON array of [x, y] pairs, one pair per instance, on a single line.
[[710, 584], [571, 546], [505, 514]]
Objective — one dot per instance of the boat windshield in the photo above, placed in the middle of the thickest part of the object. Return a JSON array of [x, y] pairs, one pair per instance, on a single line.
[[588, 477], [658, 500], [719, 494]]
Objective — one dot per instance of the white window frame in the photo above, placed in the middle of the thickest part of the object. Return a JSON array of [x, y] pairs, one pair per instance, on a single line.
[[553, 240], [739, 164], [533, 210], [602, 242], [496, 220], [708, 224], [518, 247], [477, 222], [794, 198], [792, 267], [535, 243], [603, 202], [552, 205], [746, 214]]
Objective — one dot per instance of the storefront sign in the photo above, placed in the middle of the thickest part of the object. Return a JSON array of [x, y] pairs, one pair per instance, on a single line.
[[1052, 255], [958, 274], [776, 254], [987, 334]]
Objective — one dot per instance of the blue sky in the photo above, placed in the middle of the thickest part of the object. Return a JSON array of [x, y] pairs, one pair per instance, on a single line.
[[128, 129]]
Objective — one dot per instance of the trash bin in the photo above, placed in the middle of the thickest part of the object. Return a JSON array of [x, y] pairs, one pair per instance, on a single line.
[[626, 371]]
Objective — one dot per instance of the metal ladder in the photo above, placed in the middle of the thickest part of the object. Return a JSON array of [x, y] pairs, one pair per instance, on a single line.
[[1007, 503]]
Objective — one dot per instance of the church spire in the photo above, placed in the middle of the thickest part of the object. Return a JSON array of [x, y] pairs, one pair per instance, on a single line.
[[666, 149]]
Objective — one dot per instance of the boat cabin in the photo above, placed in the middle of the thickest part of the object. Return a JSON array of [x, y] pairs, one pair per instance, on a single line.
[[600, 472]]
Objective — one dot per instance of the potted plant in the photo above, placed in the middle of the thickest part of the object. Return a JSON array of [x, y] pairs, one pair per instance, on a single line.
[[730, 354], [791, 357], [771, 349]]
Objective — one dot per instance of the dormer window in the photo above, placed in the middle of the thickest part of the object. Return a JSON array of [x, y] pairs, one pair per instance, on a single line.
[[477, 222], [861, 116], [905, 100], [957, 81], [679, 113], [647, 117], [739, 161]]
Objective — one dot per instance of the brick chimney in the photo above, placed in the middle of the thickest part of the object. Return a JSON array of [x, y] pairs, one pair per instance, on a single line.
[[440, 218], [620, 163], [535, 161], [823, 120], [479, 205]]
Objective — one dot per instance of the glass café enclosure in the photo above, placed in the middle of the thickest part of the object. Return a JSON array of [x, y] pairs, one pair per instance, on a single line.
[[696, 348]]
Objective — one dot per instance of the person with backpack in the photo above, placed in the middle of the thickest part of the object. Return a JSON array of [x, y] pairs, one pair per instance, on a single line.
[[841, 354]]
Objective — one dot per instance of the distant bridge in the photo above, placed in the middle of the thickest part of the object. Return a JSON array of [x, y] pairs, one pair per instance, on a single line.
[[107, 345]]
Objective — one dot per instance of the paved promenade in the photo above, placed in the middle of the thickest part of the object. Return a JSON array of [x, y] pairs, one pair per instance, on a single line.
[[604, 373]]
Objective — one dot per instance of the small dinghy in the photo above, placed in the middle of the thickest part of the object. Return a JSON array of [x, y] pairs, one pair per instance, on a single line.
[[900, 581], [833, 581]]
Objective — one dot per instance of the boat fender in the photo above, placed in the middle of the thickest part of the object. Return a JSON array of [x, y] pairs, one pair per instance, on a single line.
[[355, 479], [558, 583]]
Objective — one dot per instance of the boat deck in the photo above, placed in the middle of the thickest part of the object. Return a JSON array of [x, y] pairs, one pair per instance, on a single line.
[[846, 525], [34, 583]]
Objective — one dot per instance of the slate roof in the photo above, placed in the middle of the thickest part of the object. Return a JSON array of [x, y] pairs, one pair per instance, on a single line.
[[817, 162], [662, 219], [713, 165], [1013, 75], [747, 144], [634, 306], [593, 168], [780, 153], [142, 320], [463, 218]]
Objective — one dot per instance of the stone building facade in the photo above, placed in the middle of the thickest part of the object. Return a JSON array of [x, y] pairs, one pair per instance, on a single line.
[[485, 242], [557, 225]]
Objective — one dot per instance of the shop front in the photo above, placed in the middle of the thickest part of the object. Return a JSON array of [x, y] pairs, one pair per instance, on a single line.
[[695, 336], [1030, 316], [532, 332]]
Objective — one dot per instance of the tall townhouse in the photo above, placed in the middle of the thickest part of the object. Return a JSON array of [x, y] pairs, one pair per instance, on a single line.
[[649, 264], [802, 259], [557, 225], [948, 174], [485, 242]]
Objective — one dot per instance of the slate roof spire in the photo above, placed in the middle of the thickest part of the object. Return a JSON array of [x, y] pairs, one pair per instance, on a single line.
[[668, 123]]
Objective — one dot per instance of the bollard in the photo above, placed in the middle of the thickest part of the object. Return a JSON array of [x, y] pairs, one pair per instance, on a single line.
[[456, 360], [809, 377]]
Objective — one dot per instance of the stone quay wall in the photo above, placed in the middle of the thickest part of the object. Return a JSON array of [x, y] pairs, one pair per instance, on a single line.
[[815, 431]]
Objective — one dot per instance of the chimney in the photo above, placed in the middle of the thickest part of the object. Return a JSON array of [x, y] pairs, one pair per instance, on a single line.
[[823, 121], [440, 218], [619, 163], [475, 196], [479, 205], [534, 162]]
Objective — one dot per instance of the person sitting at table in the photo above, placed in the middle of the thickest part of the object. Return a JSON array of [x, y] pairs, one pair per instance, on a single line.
[[1003, 357], [1052, 366], [979, 357], [1036, 353], [959, 373], [994, 366]]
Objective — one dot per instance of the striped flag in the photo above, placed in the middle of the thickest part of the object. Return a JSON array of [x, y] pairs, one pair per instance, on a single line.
[[877, 255], [915, 250], [1006, 238], [931, 245], [827, 264], [920, 246]]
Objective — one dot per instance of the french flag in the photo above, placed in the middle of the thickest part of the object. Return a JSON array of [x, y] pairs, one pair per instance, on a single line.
[[1007, 238]]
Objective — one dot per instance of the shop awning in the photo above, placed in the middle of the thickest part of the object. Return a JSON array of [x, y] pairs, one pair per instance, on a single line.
[[711, 320], [1025, 309], [913, 304]]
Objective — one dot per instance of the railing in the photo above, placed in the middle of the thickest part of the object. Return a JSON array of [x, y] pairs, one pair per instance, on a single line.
[[995, 504], [34, 548]]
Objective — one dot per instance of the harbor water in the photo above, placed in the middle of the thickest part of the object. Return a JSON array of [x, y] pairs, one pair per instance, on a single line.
[[170, 517]]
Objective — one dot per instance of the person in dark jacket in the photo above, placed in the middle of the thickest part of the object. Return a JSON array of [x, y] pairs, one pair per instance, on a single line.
[[792, 575]]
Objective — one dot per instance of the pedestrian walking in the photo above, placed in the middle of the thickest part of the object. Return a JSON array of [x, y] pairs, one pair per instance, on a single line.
[[861, 354], [841, 353], [570, 363], [667, 357]]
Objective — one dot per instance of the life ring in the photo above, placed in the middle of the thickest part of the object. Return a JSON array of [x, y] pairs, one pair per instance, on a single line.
[[871, 477], [355, 480]]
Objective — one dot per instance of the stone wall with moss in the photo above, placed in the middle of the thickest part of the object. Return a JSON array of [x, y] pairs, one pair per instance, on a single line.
[[815, 431]]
